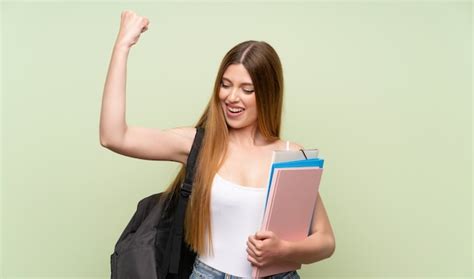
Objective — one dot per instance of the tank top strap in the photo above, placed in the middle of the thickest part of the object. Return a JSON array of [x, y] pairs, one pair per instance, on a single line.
[[287, 145]]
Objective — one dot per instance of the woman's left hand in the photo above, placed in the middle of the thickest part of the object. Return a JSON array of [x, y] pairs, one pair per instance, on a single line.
[[265, 247]]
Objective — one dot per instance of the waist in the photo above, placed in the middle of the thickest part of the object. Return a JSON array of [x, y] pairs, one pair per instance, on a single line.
[[201, 268]]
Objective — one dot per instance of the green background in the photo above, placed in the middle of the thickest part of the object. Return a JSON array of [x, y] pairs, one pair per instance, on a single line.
[[383, 89]]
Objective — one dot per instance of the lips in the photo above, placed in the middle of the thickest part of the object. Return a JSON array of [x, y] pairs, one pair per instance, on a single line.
[[233, 111]]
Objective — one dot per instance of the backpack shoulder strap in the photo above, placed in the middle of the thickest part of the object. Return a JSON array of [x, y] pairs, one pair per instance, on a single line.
[[186, 188], [172, 262]]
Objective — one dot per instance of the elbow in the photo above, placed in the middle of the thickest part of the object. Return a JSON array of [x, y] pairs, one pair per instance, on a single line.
[[324, 250], [108, 139], [331, 247], [109, 143], [104, 142]]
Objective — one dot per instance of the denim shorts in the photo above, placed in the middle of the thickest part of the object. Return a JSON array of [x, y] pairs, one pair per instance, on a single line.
[[202, 270]]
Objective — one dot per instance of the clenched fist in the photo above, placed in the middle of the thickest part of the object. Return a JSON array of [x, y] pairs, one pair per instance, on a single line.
[[131, 27]]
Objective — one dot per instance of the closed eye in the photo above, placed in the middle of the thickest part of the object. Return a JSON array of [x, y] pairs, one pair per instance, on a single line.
[[248, 91]]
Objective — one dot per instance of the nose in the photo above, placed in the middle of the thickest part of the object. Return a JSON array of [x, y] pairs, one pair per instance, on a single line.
[[233, 96]]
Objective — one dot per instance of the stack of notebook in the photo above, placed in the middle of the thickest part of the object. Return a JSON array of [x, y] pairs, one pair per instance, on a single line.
[[291, 197]]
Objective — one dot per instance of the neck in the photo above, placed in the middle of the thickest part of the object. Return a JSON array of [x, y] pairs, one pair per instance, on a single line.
[[246, 137]]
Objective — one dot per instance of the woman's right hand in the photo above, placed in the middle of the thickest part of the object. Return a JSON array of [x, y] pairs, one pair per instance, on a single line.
[[131, 27]]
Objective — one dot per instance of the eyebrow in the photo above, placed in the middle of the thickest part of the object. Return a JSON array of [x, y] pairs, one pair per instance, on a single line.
[[243, 83]]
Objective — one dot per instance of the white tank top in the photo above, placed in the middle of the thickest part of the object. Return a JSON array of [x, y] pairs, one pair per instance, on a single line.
[[236, 213]]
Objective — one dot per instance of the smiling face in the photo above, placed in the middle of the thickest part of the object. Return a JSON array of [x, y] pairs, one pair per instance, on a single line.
[[237, 97]]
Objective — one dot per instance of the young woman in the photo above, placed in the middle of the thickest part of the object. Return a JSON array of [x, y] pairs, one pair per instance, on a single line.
[[242, 128]]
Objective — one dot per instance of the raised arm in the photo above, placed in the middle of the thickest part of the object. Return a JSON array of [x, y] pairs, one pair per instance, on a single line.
[[115, 134]]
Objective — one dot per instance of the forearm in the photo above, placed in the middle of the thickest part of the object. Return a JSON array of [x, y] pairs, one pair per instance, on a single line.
[[314, 248], [112, 116]]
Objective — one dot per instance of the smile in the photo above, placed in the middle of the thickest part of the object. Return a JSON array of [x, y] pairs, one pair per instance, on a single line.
[[234, 111]]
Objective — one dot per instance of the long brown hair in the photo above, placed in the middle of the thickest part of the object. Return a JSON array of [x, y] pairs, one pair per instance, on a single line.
[[265, 70]]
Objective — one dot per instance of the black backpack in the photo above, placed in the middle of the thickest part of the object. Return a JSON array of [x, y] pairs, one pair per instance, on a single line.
[[152, 245]]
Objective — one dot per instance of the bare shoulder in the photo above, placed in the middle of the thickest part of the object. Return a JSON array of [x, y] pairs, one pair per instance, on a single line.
[[295, 146], [282, 144]]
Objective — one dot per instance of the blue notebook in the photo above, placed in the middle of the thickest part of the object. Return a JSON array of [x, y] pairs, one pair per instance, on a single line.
[[314, 162]]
